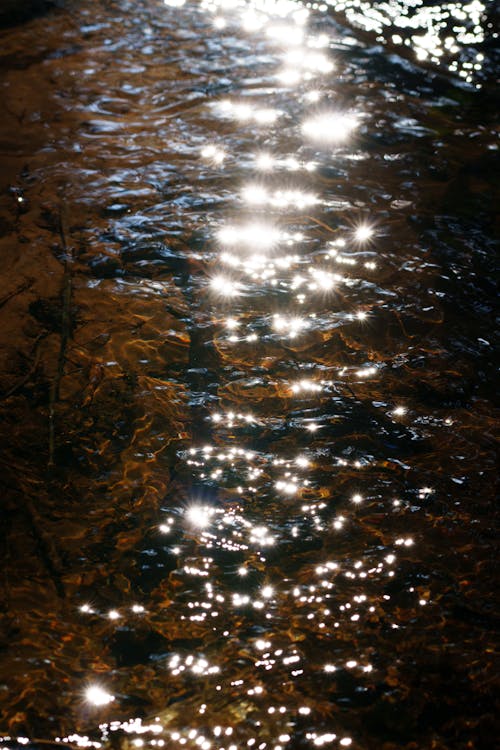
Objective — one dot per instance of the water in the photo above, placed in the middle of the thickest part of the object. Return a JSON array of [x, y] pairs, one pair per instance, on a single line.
[[247, 378]]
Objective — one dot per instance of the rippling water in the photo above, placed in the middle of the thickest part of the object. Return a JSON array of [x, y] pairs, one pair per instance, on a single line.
[[248, 375]]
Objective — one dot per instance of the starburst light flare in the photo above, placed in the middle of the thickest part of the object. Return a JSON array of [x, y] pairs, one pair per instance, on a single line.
[[363, 233]]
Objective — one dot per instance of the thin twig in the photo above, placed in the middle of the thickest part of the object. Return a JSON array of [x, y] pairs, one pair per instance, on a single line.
[[65, 331], [15, 292], [30, 372]]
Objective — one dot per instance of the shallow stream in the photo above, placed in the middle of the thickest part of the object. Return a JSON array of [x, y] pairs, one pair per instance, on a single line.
[[248, 377]]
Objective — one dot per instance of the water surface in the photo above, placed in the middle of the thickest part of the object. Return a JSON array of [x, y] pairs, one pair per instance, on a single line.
[[248, 377]]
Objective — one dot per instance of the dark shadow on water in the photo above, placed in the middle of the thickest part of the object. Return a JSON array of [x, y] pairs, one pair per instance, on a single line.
[[13, 12]]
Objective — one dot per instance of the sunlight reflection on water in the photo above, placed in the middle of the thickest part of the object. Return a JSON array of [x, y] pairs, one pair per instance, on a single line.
[[444, 33], [254, 250]]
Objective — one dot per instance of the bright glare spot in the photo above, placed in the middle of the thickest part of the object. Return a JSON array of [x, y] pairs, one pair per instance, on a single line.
[[425, 491], [213, 153], [363, 233], [264, 161], [224, 286], [254, 194], [289, 488], [198, 516], [246, 113], [399, 411], [330, 127], [292, 325], [257, 195], [98, 696], [261, 236], [262, 645], [312, 96], [113, 614]]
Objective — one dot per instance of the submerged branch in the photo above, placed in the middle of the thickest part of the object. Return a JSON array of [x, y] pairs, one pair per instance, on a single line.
[[10, 295], [65, 331], [17, 386]]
